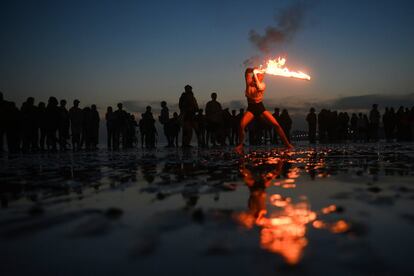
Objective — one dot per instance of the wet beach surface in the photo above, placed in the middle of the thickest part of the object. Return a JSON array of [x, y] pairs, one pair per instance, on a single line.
[[330, 209]]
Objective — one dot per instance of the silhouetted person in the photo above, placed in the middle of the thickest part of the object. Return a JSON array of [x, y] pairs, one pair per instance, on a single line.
[[131, 131], [94, 127], [76, 122], [399, 118], [13, 127], [201, 128], [276, 115], [52, 117], [225, 133], [110, 125], [234, 128], [120, 127], [312, 121], [174, 124], [29, 126], [42, 122], [323, 125], [3, 114], [163, 119], [374, 121], [286, 123], [86, 130], [149, 128], [64, 125], [188, 107], [142, 130], [354, 127], [214, 117]]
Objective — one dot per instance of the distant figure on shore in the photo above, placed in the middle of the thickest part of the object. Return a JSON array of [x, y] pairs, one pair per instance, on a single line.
[[188, 107], [312, 121], [354, 127], [234, 136], [64, 125], [94, 126], [29, 116], [286, 123], [174, 124], [255, 88], [276, 115], [214, 120], [76, 122], [163, 119], [52, 112], [149, 128], [374, 121], [201, 128], [120, 127], [110, 125]]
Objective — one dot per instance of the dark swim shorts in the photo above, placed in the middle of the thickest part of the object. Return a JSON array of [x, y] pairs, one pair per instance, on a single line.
[[256, 108]]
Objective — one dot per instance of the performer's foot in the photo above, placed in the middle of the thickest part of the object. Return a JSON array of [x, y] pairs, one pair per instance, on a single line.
[[239, 149], [289, 146]]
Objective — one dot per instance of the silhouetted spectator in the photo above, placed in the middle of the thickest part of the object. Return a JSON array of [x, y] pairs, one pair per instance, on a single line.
[[29, 126], [142, 130], [286, 123], [276, 115], [174, 124], [400, 123], [13, 127], [343, 120], [188, 107], [149, 128], [86, 130], [354, 127], [94, 127], [234, 128], [110, 125], [238, 119], [120, 127], [311, 119], [201, 128], [164, 118], [323, 125], [225, 133], [52, 117], [374, 121], [214, 118], [132, 135], [42, 122], [76, 122], [64, 125], [3, 115]]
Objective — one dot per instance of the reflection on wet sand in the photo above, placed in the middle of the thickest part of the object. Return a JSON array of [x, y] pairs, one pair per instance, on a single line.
[[282, 222]]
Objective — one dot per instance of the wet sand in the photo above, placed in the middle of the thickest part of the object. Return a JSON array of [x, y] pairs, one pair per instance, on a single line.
[[330, 210]]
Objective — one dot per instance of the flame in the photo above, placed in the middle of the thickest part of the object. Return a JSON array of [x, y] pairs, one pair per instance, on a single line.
[[277, 67]]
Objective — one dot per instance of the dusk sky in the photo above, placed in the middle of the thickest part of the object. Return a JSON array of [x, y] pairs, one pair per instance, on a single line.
[[104, 52]]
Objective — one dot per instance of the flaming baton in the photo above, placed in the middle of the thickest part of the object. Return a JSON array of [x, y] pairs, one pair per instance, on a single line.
[[277, 67]]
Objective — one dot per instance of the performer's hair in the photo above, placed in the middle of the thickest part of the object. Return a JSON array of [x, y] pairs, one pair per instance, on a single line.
[[248, 71]]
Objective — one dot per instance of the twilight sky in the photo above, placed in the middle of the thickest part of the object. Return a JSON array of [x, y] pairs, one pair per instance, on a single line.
[[108, 51]]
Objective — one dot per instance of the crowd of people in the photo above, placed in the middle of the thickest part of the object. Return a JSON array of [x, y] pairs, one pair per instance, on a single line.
[[51, 126], [334, 126]]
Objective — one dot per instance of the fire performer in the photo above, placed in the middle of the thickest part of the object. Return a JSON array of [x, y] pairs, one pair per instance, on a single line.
[[255, 88]]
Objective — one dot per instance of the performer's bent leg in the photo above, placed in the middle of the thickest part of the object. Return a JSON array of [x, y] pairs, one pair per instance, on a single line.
[[247, 118], [268, 116]]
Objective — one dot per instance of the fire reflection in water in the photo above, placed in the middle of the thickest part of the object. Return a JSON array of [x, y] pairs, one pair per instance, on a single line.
[[284, 224]]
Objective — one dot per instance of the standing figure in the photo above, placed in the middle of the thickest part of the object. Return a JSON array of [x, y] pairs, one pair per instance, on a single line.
[[311, 119], [214, 117], [286, 123], [188, 107], [64, 125], [255, 88], [109, 117], [164, 118], [76, 121], [94, 127]]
